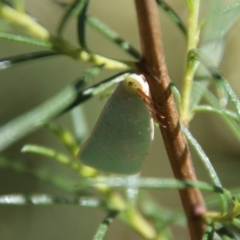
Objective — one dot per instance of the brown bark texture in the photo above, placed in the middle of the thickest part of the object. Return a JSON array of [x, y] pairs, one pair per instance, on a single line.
[[154, 68]]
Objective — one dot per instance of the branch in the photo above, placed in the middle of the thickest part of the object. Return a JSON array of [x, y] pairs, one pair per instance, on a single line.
[[155, 71]]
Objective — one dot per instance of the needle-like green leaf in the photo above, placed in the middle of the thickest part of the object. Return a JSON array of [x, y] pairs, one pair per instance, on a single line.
[[207, 163], [81, 25], [172, 15], [26, 40], [155, 183], [103, 227], [65, 136], [23, 58], [217, 76], [46, 199], [48, 152], [209, 232], [225, 233], [113, 36], [71, 11], [62, 102]]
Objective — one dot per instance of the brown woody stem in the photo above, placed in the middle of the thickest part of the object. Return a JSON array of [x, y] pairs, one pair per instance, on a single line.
[[154, 68]]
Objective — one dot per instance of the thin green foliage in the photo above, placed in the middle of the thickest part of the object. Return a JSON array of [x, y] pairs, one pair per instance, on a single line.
[[207, 163], [103, 227], [212, 41], [60, 103], [225, 233], [72, 10], [89, 75], [202, 155], [225, 16], [26, 40], [81, 25], [154, 183], [23, 58], [217, 76], [113, 36], [207, 108], [216, 25], [176, 94], [79, 8], [76, 9], [48, 152], [33, 119], [42, 37], [46, 199], [209, 232], [230, 121], [172, 15], [65, 137]]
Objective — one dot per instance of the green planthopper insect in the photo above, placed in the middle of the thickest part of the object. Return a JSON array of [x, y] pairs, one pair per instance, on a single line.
[[121, 137]]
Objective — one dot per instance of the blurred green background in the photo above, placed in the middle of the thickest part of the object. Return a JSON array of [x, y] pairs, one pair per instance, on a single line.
[[25, 86]]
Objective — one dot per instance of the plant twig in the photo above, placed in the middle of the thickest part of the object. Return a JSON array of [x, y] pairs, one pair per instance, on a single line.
[[193, 38], [154, 68], [41, 37]]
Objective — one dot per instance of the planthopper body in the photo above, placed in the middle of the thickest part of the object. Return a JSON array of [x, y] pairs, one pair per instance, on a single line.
[[121, 137]]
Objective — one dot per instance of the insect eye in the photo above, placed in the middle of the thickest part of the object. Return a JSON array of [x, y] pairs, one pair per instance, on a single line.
[[130, 83]]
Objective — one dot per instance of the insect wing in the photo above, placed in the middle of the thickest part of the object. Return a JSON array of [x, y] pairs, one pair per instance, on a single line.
[[120, 139]]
